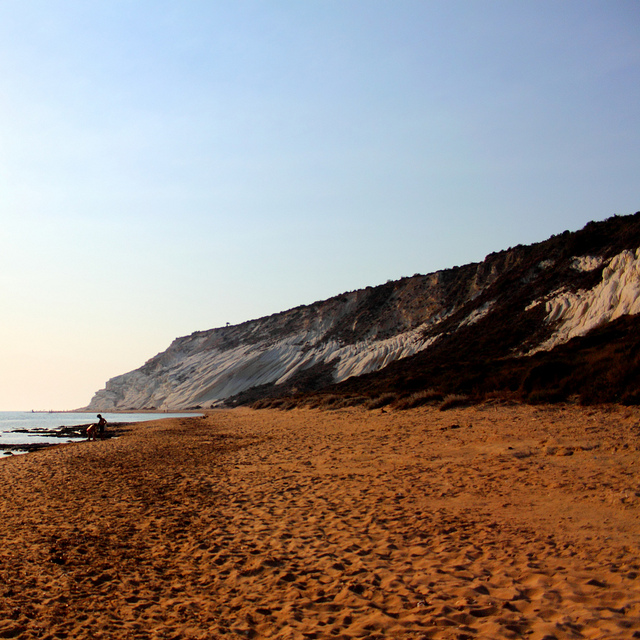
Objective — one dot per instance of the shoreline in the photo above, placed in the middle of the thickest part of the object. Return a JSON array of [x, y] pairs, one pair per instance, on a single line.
[[482, 522], [50, 432], [77, 433]]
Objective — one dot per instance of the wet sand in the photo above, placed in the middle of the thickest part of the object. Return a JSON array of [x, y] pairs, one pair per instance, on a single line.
[[486, 522]]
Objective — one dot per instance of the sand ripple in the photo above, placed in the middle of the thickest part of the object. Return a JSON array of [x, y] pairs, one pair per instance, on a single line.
[[488, 522]]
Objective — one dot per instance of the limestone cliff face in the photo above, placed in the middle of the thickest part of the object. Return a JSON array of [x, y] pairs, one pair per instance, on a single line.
[[351, 334], [517, 301]]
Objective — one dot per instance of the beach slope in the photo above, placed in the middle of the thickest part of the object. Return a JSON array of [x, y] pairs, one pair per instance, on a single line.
[[484, 522]]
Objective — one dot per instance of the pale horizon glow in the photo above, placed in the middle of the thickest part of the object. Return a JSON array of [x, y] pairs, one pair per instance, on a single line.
[[169, 167]]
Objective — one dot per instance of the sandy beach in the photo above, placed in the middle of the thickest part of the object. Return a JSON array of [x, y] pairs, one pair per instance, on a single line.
[[485, 522]]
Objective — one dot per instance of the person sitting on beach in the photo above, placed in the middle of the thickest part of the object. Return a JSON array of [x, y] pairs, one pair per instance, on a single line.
[[91, 431], [102, 423]]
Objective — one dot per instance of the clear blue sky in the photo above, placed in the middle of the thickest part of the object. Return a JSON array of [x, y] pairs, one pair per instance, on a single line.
[[167, 167]]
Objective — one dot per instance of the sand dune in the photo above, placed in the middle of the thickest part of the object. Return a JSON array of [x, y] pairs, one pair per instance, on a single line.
[[487, 522]]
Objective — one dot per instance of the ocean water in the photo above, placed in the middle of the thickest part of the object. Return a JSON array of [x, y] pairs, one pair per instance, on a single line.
[[10, 421]]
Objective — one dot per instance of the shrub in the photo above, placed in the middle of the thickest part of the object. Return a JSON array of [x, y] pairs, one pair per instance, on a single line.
[[631, 398], [454, 400], [356, 401], [381, 401], [330, 400], [418, 399], [546, 396]]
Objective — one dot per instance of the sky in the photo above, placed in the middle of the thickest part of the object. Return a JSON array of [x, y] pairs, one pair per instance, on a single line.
[[167, 167]]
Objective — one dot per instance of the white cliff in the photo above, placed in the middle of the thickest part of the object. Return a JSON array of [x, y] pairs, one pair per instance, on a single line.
[[577, 313], [521, 301], [203, 378]]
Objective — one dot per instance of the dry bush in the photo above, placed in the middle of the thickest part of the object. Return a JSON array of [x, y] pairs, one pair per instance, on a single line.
[[356, 401], [381, 401], [546, 396], [328, 401], [335, 401], [504, 397], [267, 403], [418, 399], [455, 400], [631, 398], [275, 403]]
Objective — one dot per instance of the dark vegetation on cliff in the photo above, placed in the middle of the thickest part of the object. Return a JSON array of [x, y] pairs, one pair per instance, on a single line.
[[479, 361]]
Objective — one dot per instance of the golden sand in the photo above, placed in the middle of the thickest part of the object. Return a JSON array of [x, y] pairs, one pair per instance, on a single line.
[[486, 522]]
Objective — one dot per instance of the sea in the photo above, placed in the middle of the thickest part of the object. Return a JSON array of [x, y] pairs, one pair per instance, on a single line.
[[11, 421]]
